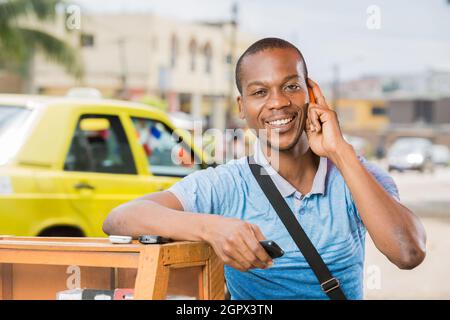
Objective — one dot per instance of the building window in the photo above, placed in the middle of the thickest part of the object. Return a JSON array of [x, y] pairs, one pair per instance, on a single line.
[[86, 40], [193, 54], [423, 111], [173, 51], [154, 43], [378, 111], [207, 51]]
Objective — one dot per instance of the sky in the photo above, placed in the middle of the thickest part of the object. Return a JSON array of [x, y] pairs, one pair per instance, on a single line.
[[413, 36]]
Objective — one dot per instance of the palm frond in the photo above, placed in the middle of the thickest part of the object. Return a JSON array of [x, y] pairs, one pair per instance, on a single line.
[[54, 49], [12, 44], [12, 10]]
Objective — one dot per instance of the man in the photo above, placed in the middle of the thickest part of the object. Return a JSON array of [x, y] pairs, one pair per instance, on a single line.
[[335, 195]]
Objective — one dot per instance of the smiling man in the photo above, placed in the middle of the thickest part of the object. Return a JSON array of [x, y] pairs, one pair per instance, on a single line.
[[334, 194]]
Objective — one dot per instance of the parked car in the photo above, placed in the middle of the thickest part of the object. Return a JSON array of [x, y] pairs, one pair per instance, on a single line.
[[65, 163], [360, 145], [440, 155], [410, 154]]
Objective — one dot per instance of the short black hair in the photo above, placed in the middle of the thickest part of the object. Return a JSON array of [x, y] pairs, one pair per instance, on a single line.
[[265, 44]]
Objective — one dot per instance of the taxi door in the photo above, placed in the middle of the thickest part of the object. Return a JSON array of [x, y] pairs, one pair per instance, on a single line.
[[100, 170]]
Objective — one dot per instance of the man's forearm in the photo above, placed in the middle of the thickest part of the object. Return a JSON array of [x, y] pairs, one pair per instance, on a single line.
[[395, 230], [141, 217]]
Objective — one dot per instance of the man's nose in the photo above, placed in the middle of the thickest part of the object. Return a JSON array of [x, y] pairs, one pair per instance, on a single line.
[[278, 100]]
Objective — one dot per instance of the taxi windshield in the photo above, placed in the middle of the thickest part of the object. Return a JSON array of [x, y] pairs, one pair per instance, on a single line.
[[12, 126]]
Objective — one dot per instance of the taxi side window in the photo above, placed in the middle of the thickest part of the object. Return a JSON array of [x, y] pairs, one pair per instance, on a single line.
[[99, 144], [166, 155]]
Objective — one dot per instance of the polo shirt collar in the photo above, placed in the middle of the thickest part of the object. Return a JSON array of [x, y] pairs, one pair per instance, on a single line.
[[285, 188]]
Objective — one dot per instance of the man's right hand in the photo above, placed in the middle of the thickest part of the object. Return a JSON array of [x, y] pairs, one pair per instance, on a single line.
[[236, 242]]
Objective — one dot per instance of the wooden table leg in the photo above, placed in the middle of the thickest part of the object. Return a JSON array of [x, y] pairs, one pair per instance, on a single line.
[[6, 274], [203, 283], [213, 280], [152, 276]]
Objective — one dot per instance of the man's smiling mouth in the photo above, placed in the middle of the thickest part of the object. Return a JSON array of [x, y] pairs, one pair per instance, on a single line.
[[280, 122]]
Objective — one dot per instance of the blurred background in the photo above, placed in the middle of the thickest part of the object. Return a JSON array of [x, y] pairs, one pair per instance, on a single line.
[[384, 66]]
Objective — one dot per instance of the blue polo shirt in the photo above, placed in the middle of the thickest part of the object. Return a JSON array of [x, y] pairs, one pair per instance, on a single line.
[[327, 214]]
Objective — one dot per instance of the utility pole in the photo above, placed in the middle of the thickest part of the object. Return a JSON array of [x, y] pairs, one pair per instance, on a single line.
[[231, 61], [123, 68], [335, 87], [336, 78]]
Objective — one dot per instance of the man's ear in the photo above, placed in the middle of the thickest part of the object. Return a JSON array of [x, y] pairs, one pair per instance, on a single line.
[[241, 108]]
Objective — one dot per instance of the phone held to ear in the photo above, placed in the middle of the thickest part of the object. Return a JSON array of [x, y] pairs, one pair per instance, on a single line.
[[312, 98]]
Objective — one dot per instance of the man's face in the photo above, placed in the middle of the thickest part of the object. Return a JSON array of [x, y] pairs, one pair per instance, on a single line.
[[274, 95]]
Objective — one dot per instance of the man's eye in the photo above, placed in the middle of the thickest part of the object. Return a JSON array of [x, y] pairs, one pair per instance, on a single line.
[[293, 87], [259, 92]]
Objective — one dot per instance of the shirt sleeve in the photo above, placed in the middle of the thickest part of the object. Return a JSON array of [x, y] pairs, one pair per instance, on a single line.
[[213, 190], [195, 192], [383, 178]]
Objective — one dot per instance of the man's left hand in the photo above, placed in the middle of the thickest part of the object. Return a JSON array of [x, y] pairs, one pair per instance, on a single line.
[[322, 126]]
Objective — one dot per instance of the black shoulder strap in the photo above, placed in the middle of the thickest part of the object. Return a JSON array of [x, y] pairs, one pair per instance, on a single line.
[[328, 283]]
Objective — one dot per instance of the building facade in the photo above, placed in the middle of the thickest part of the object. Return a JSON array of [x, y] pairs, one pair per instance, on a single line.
[[133, 55], [364, 118], [424, 117]]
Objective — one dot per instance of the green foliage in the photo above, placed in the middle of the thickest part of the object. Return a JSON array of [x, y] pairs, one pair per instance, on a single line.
[[19, 43]]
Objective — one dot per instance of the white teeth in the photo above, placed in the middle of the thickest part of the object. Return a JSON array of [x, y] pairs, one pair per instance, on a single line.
[[280, 122]]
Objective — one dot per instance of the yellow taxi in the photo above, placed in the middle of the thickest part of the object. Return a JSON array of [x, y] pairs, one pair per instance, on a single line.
[[65, 163]]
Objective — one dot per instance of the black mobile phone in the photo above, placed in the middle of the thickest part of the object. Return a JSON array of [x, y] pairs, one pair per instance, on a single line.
[[272, 248], [150, 239]]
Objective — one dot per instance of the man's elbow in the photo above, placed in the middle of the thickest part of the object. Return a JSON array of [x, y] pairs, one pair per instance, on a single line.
[[411, 259], [106, 227], [109, 223], [413, 247]]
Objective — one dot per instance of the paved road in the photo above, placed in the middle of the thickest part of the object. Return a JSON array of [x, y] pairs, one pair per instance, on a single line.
[[430, 280], [428, 195]]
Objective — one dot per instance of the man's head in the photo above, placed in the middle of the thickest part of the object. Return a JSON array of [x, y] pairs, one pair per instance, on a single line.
[[271, 78]]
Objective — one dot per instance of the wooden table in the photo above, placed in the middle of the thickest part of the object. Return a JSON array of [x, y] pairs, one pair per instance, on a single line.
[[36, 267]]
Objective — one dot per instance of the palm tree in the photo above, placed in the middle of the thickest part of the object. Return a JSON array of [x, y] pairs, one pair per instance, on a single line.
[[19, 43]]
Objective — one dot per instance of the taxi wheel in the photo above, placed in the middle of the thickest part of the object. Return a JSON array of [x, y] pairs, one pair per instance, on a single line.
[[62, 232]]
